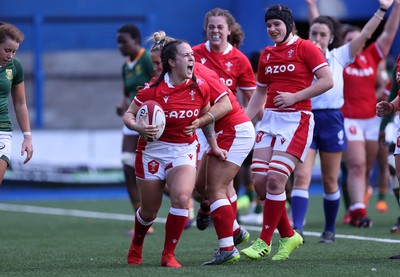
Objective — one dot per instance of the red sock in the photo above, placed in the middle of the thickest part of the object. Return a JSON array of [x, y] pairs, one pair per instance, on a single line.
[[140, 229], [284, 227], [273, 210], [176, 221], [222, 216]]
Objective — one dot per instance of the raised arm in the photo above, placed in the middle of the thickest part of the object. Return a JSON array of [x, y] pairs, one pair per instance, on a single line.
[[358, 43], [385, 39], [312, 10]]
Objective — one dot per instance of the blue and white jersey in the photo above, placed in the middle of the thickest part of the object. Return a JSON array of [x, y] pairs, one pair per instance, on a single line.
[[337, 59]]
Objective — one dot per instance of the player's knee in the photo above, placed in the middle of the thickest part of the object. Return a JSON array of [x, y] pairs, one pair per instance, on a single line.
[[259, 166], [128, 159]]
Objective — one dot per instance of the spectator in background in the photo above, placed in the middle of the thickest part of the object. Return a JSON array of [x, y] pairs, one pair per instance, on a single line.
[[329, 136], [136, 71], [284, 88], [12, 83], [235, 71], [361, 122]]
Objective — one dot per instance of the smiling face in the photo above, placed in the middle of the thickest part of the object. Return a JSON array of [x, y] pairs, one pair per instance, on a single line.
[[217, 32], [8, 49], [183, 64], [276, 30], [320, 35]]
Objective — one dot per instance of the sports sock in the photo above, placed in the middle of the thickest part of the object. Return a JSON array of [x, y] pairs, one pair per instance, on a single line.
[[274, 206], [331, 208], [176, 221], [140, 229], [300, 199], [222, 216]]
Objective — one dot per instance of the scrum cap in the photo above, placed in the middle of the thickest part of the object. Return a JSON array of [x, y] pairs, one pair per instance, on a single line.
[[283, 13]]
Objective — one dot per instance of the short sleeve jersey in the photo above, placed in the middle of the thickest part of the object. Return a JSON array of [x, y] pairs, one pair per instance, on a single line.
[[10, 75], [232, 66], [181, 105], [289, 68], [218, 90], [137, 75], [337, 59], [360, 82]]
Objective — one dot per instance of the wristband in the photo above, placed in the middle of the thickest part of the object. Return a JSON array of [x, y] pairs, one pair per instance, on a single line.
[[383, 9], [27, 133], [212, 117]]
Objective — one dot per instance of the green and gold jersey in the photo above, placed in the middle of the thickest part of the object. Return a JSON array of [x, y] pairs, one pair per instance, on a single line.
[[137, 75], [10, 75]]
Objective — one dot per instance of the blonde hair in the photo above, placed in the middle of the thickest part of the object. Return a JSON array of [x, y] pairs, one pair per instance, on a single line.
[[159, 39]]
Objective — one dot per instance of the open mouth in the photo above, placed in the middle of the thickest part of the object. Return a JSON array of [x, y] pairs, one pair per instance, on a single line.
[[190, 68], [216, 37]]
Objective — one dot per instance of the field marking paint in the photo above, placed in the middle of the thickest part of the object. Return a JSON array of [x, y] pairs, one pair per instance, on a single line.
[[127, 217]]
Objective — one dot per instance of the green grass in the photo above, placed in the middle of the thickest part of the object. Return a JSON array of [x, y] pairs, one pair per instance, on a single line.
[[33, 244]]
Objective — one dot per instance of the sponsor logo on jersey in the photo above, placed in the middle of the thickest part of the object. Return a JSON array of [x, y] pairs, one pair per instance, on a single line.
[[153, 166], [229, 66], [190, 156], [283, 141], [9, 74], [279, 69], [269, 55], [228, 82], [182, 113], [203, 60], [362, 72], [166, 99]]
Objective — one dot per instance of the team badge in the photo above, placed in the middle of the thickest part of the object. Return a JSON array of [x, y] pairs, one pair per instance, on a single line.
[[153, 166], [9, 74], [259, 136], [353, 130], [290, 53], [138, 69], [192, 93], [363, 59], [229, 66]]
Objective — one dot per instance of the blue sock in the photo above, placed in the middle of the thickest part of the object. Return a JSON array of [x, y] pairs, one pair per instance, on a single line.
[[299, 205], [331, 208]]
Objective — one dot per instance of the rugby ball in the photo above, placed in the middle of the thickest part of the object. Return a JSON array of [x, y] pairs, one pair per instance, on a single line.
[[155, 116]]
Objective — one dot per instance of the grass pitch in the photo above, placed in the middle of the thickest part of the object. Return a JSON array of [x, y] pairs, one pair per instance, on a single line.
[[86, 238]]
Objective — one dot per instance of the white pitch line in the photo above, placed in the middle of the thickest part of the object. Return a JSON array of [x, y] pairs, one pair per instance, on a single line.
[[127, 217]]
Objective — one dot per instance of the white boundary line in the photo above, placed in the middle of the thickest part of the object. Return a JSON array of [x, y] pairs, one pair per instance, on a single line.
[[127, 217]]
